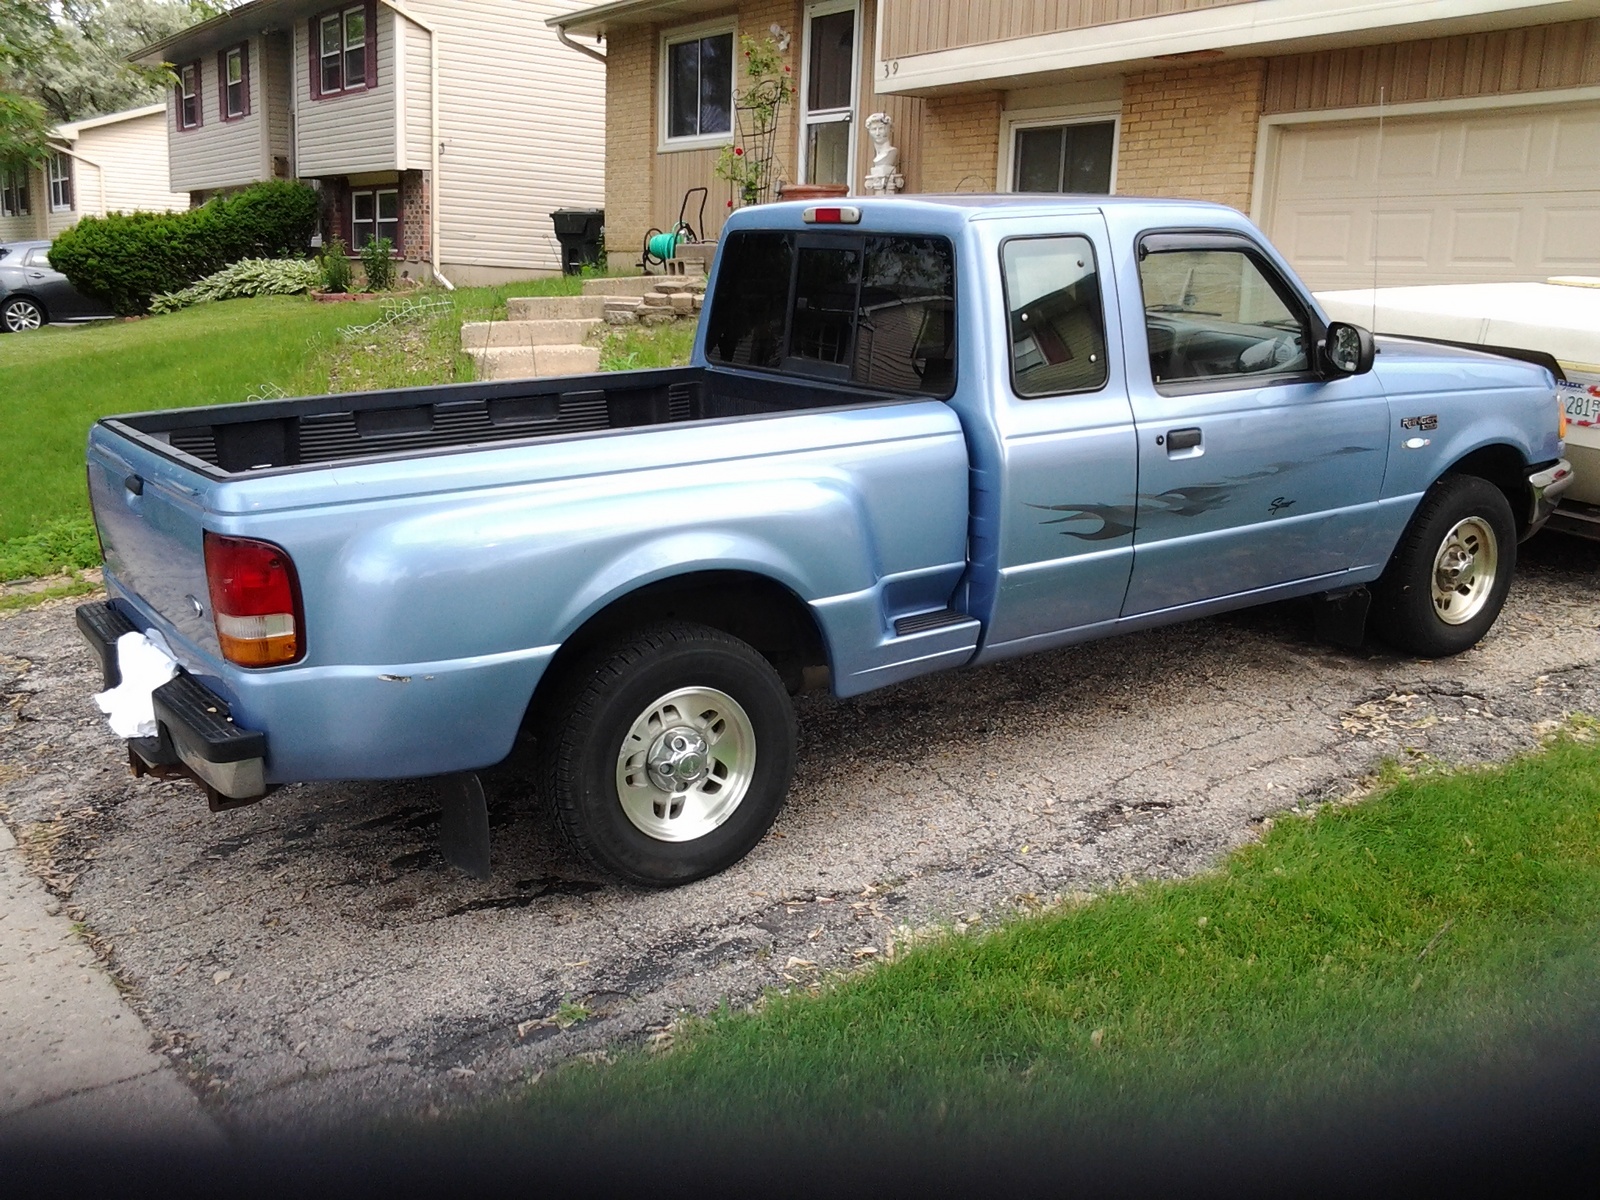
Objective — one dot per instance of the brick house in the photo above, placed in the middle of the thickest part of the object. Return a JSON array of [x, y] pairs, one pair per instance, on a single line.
[[1458, 138], [451, 127]]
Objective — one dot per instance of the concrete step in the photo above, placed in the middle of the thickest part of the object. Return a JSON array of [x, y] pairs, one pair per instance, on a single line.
[[478, 335], [621, 285], [504, 362], [555, 308]]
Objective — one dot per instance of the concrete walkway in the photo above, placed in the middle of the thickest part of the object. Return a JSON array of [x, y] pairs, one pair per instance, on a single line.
[[75, 1060]]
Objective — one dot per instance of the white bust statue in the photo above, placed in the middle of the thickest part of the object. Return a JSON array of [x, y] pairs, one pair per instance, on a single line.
[[884, 174]]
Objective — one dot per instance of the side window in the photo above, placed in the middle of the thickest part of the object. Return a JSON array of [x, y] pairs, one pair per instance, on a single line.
[[1219, 314], [1058, 332]]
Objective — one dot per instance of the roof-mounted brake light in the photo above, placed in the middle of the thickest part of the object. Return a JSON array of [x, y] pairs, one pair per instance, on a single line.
[[833, 214]]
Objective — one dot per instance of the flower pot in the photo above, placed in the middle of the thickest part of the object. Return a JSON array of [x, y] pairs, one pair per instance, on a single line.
[[812, 191]]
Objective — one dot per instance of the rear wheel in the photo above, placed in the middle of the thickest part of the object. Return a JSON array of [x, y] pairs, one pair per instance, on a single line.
[[672, 754], [1449, 576], [21, 314]]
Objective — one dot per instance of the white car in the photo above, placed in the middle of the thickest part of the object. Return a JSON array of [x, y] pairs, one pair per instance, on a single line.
[[1560, 317]]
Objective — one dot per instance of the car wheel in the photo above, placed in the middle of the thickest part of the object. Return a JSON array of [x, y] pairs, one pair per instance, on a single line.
[[671, 754], [21, 314], [1448, 577]]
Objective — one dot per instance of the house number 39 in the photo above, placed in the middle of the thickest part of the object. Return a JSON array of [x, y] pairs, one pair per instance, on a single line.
[[892, 67]]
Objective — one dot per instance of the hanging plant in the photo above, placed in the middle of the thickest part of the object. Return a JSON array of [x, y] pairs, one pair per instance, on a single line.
[[748, 164]]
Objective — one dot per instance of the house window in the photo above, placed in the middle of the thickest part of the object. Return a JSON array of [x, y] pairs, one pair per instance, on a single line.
[[1070, 157], [14, 191], [699, 86], [343, 59], [189, 115], [233, 72], [374, 213], [59, 170]]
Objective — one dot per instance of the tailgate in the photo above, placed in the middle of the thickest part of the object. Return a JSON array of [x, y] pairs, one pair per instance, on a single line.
[[148, 510]]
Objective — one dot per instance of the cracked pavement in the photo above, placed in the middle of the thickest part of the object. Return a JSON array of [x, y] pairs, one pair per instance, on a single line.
[[311, 963]]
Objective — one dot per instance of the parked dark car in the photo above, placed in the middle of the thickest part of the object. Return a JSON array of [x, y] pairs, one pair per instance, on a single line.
[[33, 293]]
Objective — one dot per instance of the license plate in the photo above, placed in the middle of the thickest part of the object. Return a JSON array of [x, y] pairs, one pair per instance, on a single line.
[[1582, 402]]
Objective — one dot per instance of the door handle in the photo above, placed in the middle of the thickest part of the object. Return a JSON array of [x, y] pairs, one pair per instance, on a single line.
[[1179, 440]]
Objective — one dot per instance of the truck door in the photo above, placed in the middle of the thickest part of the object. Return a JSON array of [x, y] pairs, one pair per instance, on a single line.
[[1254, 470], [1054, 499]]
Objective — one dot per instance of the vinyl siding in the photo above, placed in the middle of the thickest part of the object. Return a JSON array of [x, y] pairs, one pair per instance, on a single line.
[[132, 156], [522, 121], [353, 132], [277, 83], [416, 111], [924, 26], [219, 154], [1501, 62]]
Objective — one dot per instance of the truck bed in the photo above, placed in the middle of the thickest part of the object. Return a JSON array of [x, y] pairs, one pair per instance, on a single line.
[[275, 435]]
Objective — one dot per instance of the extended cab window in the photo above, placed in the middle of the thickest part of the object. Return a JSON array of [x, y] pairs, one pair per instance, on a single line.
[[877, 311], [1220, 315], [1058, 329]]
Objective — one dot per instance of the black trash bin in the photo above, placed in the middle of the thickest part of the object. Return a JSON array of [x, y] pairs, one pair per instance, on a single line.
[[580, 232]]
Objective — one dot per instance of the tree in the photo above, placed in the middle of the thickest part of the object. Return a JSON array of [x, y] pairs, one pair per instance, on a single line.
[[92, 75], [29, 38]]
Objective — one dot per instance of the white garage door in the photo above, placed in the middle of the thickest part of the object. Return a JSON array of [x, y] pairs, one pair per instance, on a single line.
[[1476, 197]]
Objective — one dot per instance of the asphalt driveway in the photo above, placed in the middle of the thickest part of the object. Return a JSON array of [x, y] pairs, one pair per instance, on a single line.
[[311, 961]]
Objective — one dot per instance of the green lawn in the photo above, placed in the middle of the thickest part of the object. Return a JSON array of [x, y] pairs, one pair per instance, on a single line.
[[1443, 926], [58, 381]]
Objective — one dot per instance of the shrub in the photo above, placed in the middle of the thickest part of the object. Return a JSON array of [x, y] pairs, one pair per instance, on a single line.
[[335, 267], [127, 259], [378, 265], [247, 277]]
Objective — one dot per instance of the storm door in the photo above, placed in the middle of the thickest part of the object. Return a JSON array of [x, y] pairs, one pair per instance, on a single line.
[[827, 93]]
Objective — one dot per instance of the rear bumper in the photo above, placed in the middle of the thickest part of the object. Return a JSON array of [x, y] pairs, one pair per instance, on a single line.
[[195, 727], [1547, 485]]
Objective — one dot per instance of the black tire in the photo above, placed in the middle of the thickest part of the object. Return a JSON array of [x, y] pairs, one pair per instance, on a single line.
[[1405, 612], [22, 313], [596, 708]]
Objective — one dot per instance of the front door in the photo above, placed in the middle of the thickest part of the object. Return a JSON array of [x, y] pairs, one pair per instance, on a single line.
[[827, 94], [1254, 470]]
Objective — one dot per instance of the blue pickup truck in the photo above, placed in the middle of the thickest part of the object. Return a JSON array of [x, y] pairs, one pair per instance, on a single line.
[[916, 434]]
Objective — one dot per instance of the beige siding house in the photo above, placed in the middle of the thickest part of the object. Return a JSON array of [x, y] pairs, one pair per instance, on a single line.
[[452, 127], [114, 163], [1456, 140]]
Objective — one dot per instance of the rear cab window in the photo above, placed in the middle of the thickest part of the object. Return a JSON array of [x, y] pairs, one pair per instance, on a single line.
[[868, 309]]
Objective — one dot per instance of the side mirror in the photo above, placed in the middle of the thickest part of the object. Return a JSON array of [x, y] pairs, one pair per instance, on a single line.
[[1348, 350]]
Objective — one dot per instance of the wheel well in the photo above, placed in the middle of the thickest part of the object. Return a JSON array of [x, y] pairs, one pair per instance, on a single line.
[[1504, 467], [753, 608]]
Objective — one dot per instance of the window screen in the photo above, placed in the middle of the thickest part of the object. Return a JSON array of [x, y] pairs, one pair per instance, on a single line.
[[1058, 332], [877, 311]]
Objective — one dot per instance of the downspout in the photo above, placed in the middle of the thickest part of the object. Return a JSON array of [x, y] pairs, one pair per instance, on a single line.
[[100, 173], [563, 37], [434, 144]]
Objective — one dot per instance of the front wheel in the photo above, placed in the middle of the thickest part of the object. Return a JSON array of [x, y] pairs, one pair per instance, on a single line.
[[21, 314], [672, 754], [1449, 576]]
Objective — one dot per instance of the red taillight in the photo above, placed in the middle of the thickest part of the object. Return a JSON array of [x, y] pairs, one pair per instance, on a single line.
[[255, 601]]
